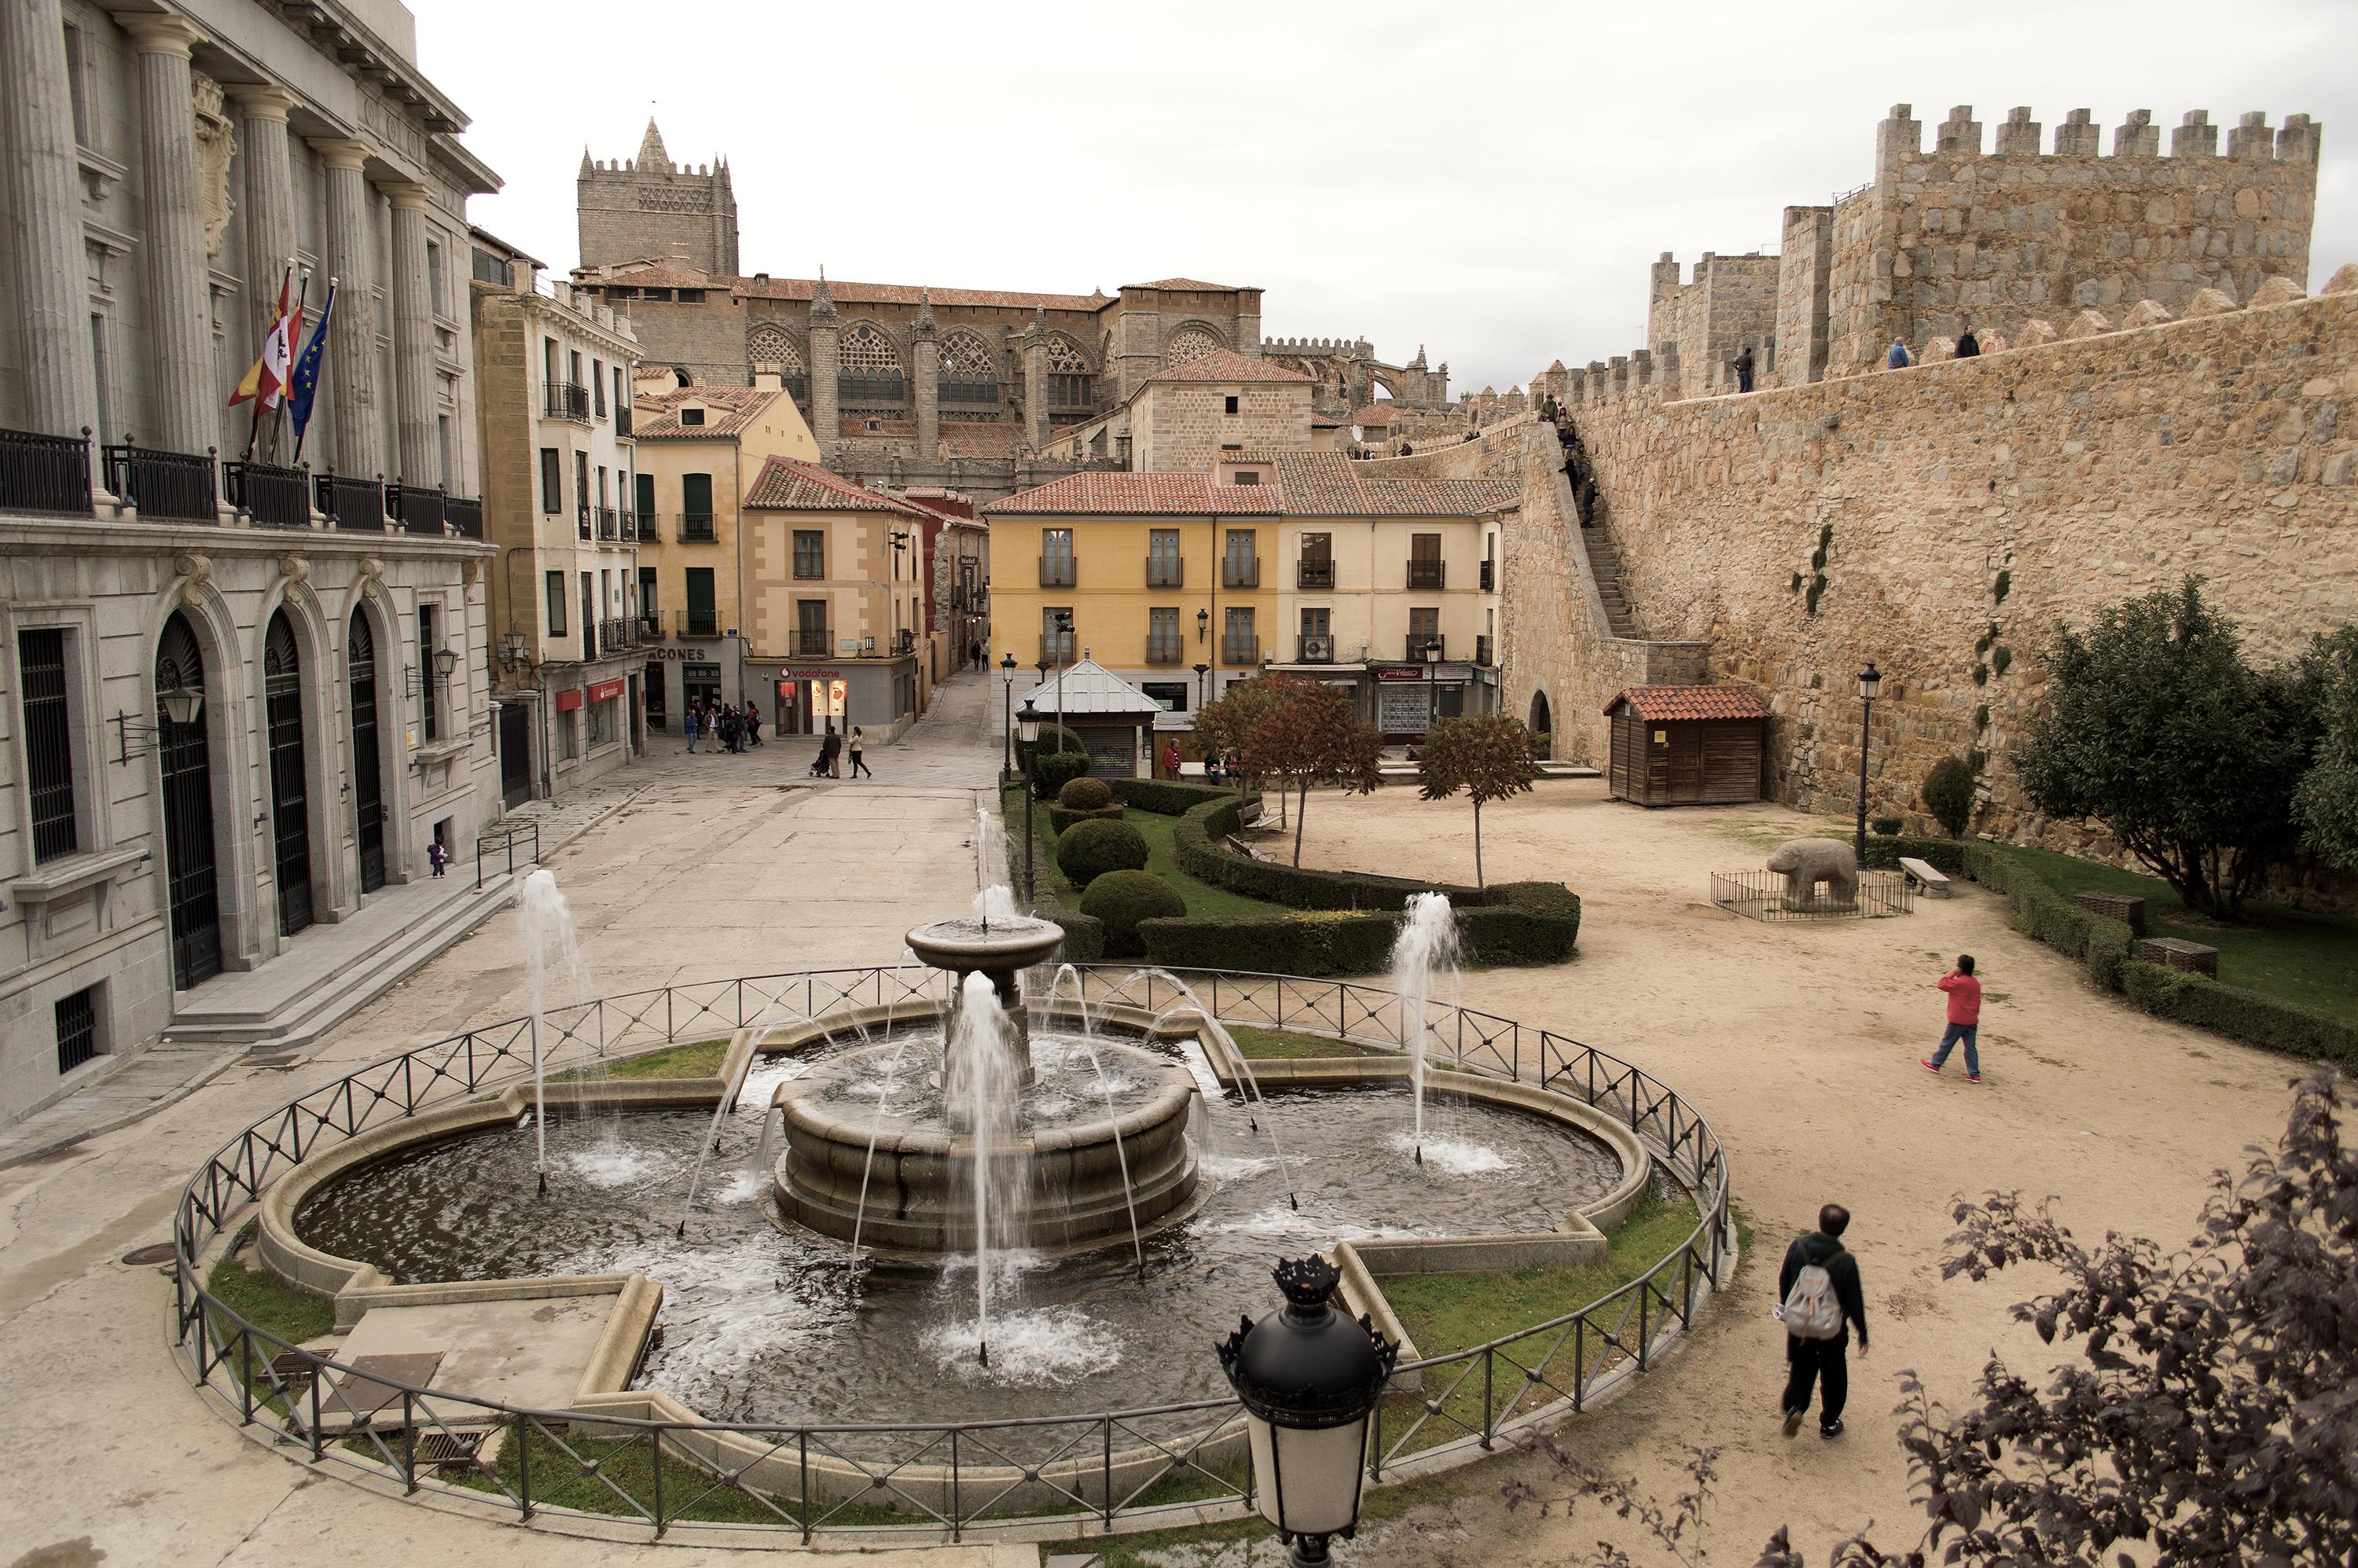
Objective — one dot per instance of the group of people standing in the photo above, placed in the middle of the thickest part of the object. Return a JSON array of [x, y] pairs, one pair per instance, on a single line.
[[728, 728], [829, 763]]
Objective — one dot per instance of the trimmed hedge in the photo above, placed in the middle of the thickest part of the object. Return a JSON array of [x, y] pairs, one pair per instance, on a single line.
[[2106, 948], [1093, 849], [1062, 817], [1053, 771], [1120, 900], [1198, 850], [1167, 797], [1085, 795], [1513, 924]]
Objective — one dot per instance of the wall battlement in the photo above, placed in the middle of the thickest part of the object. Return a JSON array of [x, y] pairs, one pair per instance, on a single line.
[[1901, 137]]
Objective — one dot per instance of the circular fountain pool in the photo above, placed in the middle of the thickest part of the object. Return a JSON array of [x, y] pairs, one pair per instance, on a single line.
[[765, 1320]]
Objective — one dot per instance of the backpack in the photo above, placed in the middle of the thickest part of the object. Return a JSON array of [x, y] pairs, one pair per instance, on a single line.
[[1813, 1311]]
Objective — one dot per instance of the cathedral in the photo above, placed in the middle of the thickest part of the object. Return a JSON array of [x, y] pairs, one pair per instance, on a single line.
[[977, 390]]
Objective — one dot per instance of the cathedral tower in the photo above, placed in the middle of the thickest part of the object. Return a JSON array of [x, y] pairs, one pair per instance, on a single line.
[[650, 208]]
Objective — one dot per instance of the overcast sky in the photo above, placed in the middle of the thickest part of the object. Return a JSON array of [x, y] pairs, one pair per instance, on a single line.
[[1490, 181]]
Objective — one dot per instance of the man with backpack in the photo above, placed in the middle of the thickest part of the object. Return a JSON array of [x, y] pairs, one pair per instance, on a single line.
[[1820, 1301]]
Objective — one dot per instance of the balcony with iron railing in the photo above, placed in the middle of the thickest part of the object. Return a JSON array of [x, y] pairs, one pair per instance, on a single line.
[[694, 527], [1417, 646], [1165, 572], [465, 516], [567, 400], [1057, 647], [813, 642], [1171, 650], [623, 428], [1239, 650], [272, 497], [617, 635], [649, 625], [1490, 576], [1315, 574], [351, 505], [1427, 572], [699, 624], [648, 534], [1240, 571], [1317, 649], [609, 522], [417, 509], [166, 487], [1058, 572], [1484, 650], [45, 473]]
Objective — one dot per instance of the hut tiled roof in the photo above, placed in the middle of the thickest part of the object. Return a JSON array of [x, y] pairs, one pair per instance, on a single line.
[[1653, 703], [789, 484]]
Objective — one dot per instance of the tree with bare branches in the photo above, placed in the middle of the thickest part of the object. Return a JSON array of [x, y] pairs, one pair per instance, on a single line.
[[1488, 756]]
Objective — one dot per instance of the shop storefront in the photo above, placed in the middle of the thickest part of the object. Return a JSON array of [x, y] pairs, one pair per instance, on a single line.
[[880, 695]]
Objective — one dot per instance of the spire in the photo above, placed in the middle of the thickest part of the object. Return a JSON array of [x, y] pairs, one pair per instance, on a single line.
[[925, 325], [651, 149], [1418, 363], [587, 166], [822, 302]]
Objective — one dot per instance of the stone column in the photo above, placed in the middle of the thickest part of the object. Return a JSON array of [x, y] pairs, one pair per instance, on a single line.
[[269, 198], [349, 382], [1035, 380], [45, 188], [925, 359], [413, 336], [826, 426], [180, 302]]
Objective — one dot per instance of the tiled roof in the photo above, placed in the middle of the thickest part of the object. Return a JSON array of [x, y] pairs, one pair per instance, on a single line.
[[1375, 413], [1088, 687], [1329, 483], [1227, 364], [1195, 284], [849, 294], [1666, 702], [789, 484], [960, 437], [1141, 494], [727, 411], [1326, 421]]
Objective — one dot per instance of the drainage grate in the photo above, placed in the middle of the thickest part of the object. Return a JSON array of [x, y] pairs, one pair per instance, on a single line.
[[154, 1252], [455, 1448]]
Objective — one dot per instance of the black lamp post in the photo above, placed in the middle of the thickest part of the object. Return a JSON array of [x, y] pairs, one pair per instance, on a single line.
[[1201, 671], [1007, 666], [1870, 682], [1309, 1379], [1432, 682], [1027, 727]]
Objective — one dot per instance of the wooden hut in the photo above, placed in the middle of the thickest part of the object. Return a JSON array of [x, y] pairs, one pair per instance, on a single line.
[[1687, 745]]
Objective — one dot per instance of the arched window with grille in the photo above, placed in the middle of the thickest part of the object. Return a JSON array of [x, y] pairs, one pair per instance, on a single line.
[[969, 372], [1070, 386], [869, 369], [1189, 343], [770, 349]]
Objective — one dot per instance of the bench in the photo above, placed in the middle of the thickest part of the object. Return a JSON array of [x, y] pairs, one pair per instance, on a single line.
[[1925, 875], [2179, 954], [2126, 908]]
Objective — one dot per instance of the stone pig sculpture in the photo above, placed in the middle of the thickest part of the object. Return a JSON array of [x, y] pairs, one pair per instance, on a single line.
[[1807, 862]]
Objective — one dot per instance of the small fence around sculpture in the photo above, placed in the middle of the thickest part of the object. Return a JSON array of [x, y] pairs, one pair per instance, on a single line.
[[1760, 896], [1136, 1469]]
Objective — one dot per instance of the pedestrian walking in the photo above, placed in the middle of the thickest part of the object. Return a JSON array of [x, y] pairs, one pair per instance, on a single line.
[[1744, 370], [1171, 761], [1968, 346], [858, 742], [1818, 1303], [1965, 1020], [830, 746], [753, 723], [693, 723], [437, 857], [1898, 358]]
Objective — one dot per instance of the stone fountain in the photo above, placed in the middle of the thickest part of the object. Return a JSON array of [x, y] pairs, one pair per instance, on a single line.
[[1086, 1153]]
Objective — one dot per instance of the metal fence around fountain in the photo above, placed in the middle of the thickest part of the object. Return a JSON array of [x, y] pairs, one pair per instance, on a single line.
[[1137, 1469]]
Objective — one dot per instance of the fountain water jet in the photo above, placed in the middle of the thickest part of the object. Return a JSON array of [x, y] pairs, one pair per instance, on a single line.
[[1427, 945], [546, 919], [1252, 1081]]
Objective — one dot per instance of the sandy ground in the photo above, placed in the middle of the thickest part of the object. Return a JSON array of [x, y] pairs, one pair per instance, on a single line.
[[1800, 1042]]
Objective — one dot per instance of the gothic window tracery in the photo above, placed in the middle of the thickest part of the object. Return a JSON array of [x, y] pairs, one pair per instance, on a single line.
[[869, 367], [771, 348], [1068, 376], [1189, 343], [969, 372]]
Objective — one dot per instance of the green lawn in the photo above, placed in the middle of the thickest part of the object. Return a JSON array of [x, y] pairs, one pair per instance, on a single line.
[[2303, 957], [692, 1059], [1202, 898], [1285, 1044], [269, 1303]]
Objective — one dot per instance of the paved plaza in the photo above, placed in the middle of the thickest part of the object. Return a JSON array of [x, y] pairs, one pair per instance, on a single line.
[[1798, 1042]]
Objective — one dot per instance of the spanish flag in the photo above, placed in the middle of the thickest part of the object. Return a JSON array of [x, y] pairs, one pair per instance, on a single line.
[[266, 383]]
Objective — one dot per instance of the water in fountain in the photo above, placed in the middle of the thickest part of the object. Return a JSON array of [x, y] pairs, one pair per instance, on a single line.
[[548, 922], [766, 1020], [1425, 948], [1191, 1001], [883, 1098], [984, 1076], [1129, 1193], [990, 851]]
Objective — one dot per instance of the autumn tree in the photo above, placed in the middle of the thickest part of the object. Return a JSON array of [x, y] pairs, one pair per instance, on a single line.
[[1488, 756], [1315, 737], [1225, 724]]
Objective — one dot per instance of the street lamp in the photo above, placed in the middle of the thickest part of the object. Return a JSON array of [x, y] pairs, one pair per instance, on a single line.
[[1308, 1378], [1201, 671], [445, 661], [1432, 681], [1870, 682], [1027, 728], [181, 705], [1203, 626], [1007, 665]]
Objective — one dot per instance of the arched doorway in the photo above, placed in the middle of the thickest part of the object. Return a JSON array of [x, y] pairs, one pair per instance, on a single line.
[[290, 820], [368, 775], [1542, 722], [184, 755]]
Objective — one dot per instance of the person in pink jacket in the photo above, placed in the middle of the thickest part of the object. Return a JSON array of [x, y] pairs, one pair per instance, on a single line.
[[1964, 1018]]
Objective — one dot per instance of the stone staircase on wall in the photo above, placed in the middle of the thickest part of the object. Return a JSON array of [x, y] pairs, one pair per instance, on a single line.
[[1605, 565]]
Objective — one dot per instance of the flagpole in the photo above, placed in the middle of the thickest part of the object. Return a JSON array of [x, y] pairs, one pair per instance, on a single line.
[[278, 412], [315, 355]]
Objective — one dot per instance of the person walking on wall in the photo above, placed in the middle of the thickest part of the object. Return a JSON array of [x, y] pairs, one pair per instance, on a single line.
[[1744, 370], [1964, 1018], [1898, 358], [1818, 1303], [1968, 346], [692, 722], [857, 744]]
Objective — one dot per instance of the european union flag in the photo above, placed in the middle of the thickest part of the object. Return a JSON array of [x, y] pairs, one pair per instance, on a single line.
[[303, 385]]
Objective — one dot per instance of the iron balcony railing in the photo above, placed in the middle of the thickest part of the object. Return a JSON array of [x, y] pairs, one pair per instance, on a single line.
[[1056, 648], [351, 506], [417, 509], [1489, 575], [465, 516], [1426, 573], [1484, 652], [699, 624], [696, 528], [1163, 572], [1239, 651], [567, 400], [1317, 650], [1109, 1471], [45, 473], [273, 497], [1165, 650], [609, 524], [1058, 572], [166, 487], [813, 642], [622, 421], [647, 534], [1240, 571], [1417, 646], [649, 625], [1315, 574]]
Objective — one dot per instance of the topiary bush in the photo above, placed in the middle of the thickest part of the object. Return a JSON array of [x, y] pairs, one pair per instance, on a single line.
[[1085, 793], [1120, 899], [1092, 848], [1063, 819], [1051, 771], [1888, 827], [1949, 794]]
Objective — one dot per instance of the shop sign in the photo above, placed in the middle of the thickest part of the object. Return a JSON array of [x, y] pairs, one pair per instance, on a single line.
[[691, 655], [1399, 672], [791, 674], [605, 689], [569, 699]]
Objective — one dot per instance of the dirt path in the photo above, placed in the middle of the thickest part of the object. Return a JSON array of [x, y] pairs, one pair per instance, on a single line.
[[1800, 1042]]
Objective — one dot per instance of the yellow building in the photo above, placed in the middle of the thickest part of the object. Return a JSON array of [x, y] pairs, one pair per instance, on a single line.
[[1182, 583], [834, 591], [699, 446]]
